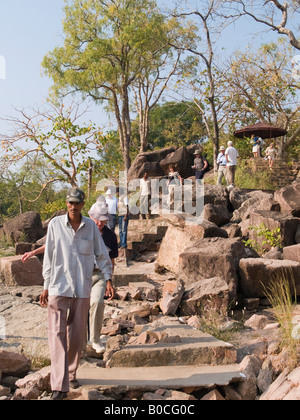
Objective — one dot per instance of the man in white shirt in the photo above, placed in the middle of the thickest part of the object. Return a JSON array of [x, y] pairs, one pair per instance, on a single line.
[[112, 203], [231, 155], [144, 196], [74, 244]]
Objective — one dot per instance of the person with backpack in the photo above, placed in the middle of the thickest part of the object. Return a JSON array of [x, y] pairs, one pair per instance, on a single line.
[[200, 164]]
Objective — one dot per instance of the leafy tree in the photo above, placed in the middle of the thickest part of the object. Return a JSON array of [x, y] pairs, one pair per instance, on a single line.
[[173, 123], [19, 189], [55, 135], [261, 87], [109, 163], [205, 85], [108, 46]]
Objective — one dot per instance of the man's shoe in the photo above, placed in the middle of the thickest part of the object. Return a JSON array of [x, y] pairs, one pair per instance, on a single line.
[[98, 347], [58, 395]]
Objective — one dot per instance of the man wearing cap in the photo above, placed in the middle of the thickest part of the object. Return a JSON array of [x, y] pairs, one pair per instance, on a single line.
[[200, 164], [221, 162], [101, 288], [73, 246]]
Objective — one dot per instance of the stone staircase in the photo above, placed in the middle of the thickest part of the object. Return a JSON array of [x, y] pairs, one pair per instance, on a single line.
[[145, 235], [281, 175], [185, 358]]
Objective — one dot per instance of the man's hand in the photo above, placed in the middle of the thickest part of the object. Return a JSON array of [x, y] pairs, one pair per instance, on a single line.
[[27, 256], [110, 291], [44, 299]]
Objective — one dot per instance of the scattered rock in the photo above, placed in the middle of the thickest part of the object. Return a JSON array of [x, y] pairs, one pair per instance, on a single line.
[[14, 364], [213, 396], [208, 294], [289, 199], [24, 228], [15, 272], [285, 388], [257, 322], [256, 274], [212, 257], [172, 295]]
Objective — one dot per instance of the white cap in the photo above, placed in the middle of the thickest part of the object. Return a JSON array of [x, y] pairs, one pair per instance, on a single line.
[[98, 212]]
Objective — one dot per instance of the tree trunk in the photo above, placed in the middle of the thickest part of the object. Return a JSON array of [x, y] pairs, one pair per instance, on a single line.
[[144, 130], [124, 127], [90, 177]]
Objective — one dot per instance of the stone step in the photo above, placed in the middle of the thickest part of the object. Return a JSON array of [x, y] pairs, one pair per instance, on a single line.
[[184, 346], [137, 272], [122, 379]]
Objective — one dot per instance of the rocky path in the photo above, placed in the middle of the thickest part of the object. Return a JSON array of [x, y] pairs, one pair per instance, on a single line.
[[149, 354]]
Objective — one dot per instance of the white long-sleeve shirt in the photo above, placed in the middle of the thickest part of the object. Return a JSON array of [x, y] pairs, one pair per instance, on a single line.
[[70, 258]]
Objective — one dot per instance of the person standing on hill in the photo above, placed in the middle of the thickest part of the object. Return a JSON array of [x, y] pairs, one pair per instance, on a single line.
[[222, 166], [200, 165], [145, 185], [232, 156], [271, 153], [112, 204]]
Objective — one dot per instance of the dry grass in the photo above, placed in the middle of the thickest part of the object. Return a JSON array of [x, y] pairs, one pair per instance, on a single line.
[[281, 293]]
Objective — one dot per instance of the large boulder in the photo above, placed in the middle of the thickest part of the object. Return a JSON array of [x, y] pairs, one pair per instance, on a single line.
[[217, 195], [182, 159], [212, 257], [24, 228], [14, 272], [292, 253], [285, 388], [148, 162], [289, 199], [272, 220], [182, 236], [258, 200], [157, 162], [257, 274], [205, 295], [14, 364], [216, 214]]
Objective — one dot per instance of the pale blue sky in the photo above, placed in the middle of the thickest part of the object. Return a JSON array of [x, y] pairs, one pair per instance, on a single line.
[[31, 28]]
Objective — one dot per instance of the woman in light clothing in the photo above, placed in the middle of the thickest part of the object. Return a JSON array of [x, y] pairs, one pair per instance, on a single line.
[[271, 153]]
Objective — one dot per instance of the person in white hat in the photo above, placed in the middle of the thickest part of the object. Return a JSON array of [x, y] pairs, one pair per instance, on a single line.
[[101, 289], [222, 163]]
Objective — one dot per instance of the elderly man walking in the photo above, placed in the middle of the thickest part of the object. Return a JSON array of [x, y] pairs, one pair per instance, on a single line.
[[222, 163], [74, 244]]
